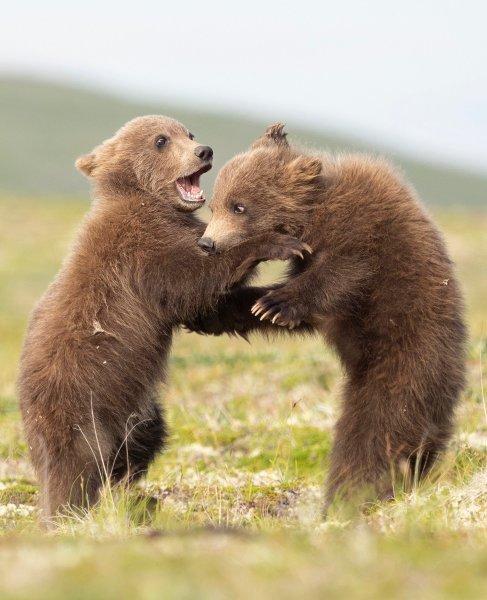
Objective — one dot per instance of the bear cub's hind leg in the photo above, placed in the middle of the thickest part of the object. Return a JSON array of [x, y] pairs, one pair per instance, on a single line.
[[144, 439]]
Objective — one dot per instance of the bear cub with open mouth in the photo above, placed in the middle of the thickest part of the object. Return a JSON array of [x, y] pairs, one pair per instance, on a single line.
[[98, 342]]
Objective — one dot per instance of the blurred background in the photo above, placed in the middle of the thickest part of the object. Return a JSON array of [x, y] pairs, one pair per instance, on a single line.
[[407, 79]]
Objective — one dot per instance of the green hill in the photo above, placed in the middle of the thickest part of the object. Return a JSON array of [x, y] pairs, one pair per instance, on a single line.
[[45, 126]]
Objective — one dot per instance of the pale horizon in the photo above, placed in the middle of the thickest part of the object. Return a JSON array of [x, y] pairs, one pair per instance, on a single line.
[[412, 80]]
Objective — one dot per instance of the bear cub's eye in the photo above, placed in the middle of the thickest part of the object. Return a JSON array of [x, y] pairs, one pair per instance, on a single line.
[[160, 141], [191, 135], [238, 209]]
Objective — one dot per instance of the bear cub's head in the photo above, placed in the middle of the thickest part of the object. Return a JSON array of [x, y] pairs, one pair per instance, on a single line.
[[271, 187], [154, 154]]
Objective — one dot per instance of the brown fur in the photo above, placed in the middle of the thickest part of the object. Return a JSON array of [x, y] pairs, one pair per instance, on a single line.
[[379, 287], [98, 342]]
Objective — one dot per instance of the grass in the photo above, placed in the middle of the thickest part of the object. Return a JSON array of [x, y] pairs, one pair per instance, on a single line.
[[232, 507]]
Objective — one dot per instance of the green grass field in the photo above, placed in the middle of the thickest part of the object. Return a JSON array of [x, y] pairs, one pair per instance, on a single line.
[[231, 510]]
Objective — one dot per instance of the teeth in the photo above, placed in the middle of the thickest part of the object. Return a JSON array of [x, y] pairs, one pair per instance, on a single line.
[[196, 195], [193, 196], [189, 193]]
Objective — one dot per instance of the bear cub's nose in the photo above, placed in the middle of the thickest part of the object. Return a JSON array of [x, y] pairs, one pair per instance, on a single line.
[[204, 152], [207, 244]]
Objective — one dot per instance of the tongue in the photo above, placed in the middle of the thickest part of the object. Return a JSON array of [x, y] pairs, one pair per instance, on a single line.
[[194, 182], [186, 184], [190, 185]]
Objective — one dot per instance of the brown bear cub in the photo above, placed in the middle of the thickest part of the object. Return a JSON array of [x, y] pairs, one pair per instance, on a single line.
[[98, 342], [379, 287]]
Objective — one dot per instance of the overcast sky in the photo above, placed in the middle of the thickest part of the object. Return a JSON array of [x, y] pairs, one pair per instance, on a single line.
[[412, 74]]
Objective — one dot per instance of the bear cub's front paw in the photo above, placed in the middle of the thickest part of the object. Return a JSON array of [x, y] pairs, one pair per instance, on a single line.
[[210, 324], [278, 306], [224, 320], [284, 247]]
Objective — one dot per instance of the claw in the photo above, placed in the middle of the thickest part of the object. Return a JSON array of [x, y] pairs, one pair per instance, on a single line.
[[259, 310], [275, 318], [308, 248], [267, 312], [255, 308], [298, 253]]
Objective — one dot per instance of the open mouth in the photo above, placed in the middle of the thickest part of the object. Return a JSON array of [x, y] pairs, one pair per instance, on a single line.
[[189, 186]]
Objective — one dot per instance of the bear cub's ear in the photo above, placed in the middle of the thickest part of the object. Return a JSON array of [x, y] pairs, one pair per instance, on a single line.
[[274, 135], [86, 164], [304, 170]]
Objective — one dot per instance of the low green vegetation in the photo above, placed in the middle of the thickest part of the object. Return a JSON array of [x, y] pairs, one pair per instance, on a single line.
[[232, 508]]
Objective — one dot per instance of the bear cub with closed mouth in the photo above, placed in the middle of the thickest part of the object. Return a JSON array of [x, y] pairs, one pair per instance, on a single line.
[[379, 287], [98, 342]]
